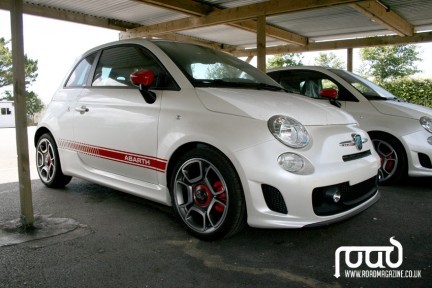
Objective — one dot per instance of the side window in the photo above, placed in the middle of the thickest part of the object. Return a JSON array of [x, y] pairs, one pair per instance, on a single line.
[[78, 77], [116, 64], [293, 80], [310, 83]]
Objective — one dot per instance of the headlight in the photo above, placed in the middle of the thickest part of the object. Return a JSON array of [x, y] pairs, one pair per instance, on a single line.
[[288, 131], [426, 122]]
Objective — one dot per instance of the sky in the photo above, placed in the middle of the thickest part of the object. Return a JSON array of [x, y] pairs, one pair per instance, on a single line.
[[57, 44]]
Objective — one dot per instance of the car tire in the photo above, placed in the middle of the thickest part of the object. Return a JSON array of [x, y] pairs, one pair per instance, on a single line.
[[393, 158], [207, 194], [48, 163]]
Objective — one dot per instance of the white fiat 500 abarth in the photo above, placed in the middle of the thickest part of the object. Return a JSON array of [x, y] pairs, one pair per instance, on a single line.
[[207, 133]]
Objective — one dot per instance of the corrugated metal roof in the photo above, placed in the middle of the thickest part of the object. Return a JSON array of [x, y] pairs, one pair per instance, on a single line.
[[131, 11], [328, 23]]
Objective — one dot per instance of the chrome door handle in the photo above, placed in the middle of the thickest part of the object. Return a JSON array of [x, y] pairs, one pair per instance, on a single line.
[[82, 109]]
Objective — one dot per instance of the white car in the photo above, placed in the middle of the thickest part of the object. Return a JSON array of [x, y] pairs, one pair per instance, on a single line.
[[401, 132], [207, 133]]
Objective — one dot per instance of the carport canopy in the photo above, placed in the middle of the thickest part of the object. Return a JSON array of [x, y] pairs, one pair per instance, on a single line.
[[241, 27]]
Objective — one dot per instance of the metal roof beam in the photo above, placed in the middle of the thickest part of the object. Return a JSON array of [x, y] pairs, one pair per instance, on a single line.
[[184, 6], [341, 44], [231, 15], [382, 14], [201, 9]]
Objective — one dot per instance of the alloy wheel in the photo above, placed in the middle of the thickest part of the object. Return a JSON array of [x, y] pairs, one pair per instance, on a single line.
[[201, 195], [46, 160]]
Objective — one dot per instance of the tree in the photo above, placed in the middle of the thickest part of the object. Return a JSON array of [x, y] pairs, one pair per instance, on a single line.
[[388, 63], [329, 60], [34, 104], [293, 59]]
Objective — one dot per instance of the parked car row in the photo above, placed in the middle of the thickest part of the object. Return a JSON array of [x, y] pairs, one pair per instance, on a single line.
[[210, 135]]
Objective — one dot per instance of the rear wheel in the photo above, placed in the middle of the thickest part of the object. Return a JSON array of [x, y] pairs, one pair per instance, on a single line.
[[207, 195], [393, 159], [48, 163]]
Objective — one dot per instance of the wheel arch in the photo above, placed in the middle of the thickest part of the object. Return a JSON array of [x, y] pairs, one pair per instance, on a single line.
[[39, 132], [193, 145], [376, 134]]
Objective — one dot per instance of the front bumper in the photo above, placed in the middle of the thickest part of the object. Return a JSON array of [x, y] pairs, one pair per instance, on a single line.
[[419, 151], [296, 190]]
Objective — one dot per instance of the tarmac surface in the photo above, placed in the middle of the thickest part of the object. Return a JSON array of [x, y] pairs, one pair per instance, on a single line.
[[91, 236]]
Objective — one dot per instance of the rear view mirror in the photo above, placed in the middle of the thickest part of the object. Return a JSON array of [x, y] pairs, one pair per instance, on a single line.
[[331, 94], [144, 79]]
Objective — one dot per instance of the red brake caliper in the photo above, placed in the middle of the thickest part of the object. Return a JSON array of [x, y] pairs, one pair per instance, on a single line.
[[389, 164], [218, 187]]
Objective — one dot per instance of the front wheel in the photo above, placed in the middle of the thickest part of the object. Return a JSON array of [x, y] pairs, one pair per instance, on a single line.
[[207, 195], [48, 163], [393, 159]]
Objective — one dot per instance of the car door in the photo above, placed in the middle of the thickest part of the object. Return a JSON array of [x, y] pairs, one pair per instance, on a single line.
[[115, 130], [64, 100]]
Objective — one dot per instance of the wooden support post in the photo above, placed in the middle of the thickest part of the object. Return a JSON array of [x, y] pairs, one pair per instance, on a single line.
[[350, 59], [261, 43], [16, 13]]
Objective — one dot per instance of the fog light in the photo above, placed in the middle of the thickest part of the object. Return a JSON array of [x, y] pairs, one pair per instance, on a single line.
[[430, 140], [291, 162], [334, 194]]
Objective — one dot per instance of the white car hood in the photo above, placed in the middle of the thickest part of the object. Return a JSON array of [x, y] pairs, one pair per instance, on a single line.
[[401, 109], [261, 104]]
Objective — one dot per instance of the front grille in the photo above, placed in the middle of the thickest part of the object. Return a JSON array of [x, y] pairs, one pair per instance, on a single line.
[[274, 199], [356, 156], [425, 161], [350, 196]]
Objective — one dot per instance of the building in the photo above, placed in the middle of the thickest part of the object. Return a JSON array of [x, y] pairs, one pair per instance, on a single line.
[[7, 114]]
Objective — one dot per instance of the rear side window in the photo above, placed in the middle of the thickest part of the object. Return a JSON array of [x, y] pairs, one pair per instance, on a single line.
[[79, 75], [116, 64]]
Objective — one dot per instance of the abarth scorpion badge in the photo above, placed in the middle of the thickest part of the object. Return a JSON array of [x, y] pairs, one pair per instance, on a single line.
[[357, 141]]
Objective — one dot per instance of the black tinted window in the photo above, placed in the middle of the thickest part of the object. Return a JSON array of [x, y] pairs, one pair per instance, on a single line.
[[116, 64]]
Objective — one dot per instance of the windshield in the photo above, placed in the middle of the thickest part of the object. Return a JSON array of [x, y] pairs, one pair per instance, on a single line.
[[206, 67], [367, 88]]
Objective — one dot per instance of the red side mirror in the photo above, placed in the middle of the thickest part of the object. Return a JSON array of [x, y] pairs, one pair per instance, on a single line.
[[329, 93], [142, 77]]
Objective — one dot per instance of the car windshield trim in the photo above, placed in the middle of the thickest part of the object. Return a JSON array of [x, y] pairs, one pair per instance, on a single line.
[[368, 89]]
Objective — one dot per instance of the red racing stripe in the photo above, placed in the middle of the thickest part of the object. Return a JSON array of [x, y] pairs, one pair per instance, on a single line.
[[115, 155]]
